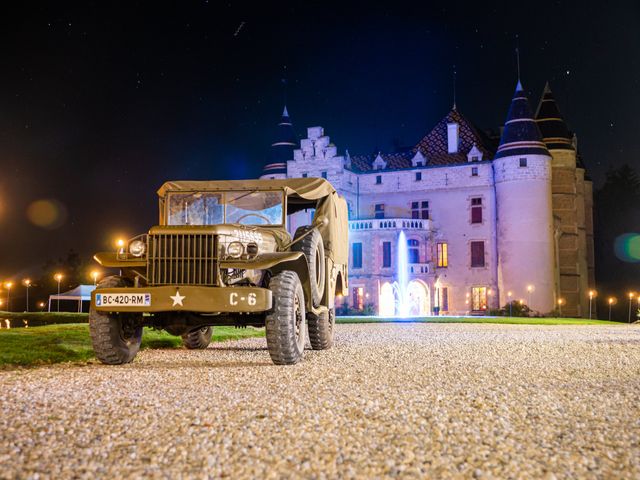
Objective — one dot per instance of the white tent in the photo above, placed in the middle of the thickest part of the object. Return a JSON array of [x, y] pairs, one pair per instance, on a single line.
[[82, 293]]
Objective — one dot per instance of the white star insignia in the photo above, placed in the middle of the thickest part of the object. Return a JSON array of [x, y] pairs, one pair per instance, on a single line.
[[177, 299]]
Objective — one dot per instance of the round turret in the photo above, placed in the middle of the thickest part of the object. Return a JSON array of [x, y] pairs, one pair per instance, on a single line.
[[281, 149], [522, 169]]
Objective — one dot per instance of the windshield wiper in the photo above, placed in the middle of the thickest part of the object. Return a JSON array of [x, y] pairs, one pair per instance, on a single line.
[[242, 196]]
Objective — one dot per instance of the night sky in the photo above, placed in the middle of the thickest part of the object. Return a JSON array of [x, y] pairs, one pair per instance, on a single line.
[[100, 102]]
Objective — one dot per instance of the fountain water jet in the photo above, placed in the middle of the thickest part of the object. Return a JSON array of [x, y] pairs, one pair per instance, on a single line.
[[403, 307]]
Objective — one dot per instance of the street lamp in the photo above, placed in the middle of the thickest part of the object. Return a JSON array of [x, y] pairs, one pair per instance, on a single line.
[[593, 293], [41, 305], [58, 278], [529, 289], [509, 293], [611, 300], [94, 275], [8, 286], [27, 283], [560, 302], [631, 295]]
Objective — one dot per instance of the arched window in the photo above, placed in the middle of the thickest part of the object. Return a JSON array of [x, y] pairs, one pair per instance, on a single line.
[[414, 250]]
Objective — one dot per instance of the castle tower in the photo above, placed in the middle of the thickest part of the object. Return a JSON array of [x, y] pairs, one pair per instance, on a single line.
[[281, 149], [522, 173], [570, 207]]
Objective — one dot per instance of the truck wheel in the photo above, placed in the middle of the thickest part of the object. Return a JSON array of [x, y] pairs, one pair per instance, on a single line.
[[198, 339], [285, 324], [321, 329], [116, 337], [313, 249]]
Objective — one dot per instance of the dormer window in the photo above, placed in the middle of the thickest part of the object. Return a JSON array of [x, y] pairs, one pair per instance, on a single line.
[[418, 160], [475, 154], [379, 163]]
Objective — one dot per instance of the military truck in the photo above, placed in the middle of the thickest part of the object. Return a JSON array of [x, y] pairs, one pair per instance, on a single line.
[[222, 255]]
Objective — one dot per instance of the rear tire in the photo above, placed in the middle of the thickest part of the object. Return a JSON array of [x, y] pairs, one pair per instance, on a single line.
[[313, 249], [116, 337], [285, 324], [321, 329], [198, 339]]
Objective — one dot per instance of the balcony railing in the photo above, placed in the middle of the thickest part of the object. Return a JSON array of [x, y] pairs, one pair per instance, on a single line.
[[390, 224]]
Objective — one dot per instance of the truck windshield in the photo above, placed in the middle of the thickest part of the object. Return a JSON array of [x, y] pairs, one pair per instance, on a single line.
[[244, 207]]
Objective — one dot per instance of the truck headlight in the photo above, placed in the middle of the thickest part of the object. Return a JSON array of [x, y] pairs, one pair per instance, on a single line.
[[235, 250], [137, 248], [252, 250]]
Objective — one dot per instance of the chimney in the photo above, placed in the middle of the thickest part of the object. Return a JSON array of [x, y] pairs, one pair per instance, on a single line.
[[452, 137]]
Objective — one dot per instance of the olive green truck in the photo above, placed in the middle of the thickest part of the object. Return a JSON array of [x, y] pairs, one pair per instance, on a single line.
[[222, 255]]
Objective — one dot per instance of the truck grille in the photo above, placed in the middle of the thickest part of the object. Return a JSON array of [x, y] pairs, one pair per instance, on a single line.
[[183, 259]]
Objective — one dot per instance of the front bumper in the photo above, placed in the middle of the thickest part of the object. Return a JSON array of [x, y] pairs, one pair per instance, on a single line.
[[183, 298]]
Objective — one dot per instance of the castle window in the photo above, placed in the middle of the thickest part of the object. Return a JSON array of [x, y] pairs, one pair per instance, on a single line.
[[414, 250], [479, 298], [477, 254], [378, 179], [523, 162], [474, 171], [476, 210], [379, 210], [418, 176], [420, 210], [324, 174], [304, 175], [444, 302], [442, 255], [358, 298], [418, 164], [357, 255], [386, 254]]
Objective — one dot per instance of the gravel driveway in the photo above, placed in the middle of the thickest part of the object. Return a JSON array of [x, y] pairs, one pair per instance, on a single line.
[[410, 400]]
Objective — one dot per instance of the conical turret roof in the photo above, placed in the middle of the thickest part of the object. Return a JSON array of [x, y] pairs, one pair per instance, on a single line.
[[282, 148], [552, 126], [521, 135]]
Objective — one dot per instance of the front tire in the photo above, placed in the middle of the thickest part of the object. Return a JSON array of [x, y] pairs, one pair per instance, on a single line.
[[321, 329], [285, 324], [116, 337], [198, 339]]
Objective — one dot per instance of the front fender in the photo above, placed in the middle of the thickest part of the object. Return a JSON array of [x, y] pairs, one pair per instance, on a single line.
[[263, 261], [277, 262], [111, 260]]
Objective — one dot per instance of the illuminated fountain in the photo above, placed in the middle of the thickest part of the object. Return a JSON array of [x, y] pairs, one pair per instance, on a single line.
[[403, 306], [403, 298]]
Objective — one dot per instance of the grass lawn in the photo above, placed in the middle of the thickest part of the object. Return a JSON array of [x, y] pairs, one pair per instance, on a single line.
[[71, 343], [502, 320]]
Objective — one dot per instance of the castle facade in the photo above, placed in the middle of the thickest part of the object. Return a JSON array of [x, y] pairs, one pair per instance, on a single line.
[[484, 220]]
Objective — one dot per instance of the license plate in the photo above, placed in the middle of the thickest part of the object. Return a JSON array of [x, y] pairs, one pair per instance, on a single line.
[[123, 299]]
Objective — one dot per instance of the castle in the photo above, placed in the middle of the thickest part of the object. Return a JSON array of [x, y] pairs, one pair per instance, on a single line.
[[486, 222]]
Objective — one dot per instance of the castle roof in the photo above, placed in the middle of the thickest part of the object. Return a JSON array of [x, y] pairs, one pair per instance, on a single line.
[[552, 126], [394, 161], [521, 135], [282, 148], [433, 147], [434, 144]]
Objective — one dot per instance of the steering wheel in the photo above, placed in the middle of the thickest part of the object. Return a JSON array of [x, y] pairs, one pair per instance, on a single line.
[[262, 217]]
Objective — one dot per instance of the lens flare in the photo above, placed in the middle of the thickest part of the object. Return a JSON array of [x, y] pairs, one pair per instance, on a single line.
[[627, 247], [47, 213]]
